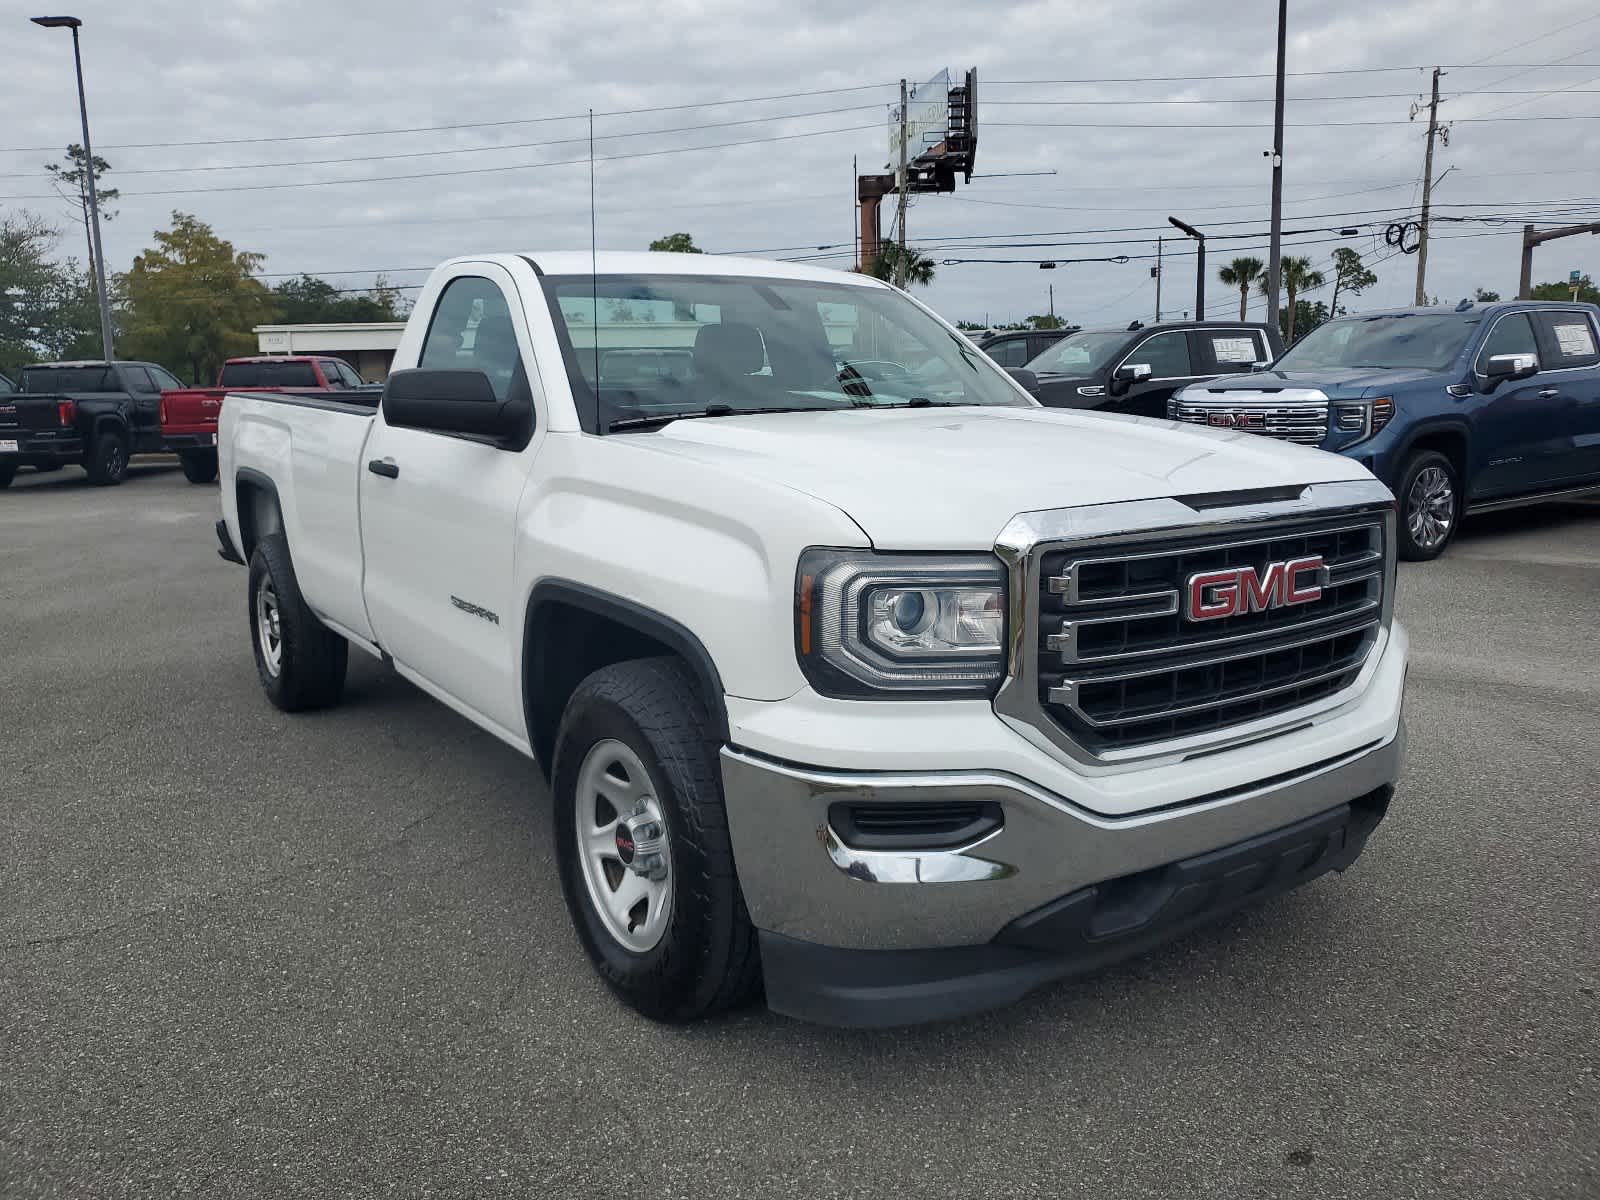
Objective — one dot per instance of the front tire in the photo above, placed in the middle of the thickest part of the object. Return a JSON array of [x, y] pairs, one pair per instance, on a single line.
[[107, 462], [300, 660], [8, 472], [1430, 506], [199, 466], [642, 842]]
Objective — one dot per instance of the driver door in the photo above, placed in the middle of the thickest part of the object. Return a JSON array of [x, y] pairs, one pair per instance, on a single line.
[[438, 516], [1168, 356]]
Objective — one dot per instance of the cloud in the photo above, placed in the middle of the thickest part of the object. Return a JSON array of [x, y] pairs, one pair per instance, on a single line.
[[165, 71]]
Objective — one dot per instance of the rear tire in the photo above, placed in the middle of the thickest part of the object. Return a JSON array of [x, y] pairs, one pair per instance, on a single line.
[[8, 472], [107, 462], [699, 955], [199, 466], [1430, 506], [300, 660]]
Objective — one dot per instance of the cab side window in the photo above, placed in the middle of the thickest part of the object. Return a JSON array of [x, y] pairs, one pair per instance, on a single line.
[[1166, 354], [1511, 335], [1012, 352], [1569, 337], [472, 330]]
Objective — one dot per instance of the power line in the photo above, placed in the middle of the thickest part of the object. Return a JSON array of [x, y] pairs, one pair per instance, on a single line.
[[619, 112], [1253, 125], [273, 187], [1291, 99], [318, 162]]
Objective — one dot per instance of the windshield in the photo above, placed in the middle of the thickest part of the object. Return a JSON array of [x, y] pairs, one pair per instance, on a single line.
[[6, 386], [1427, 340], [645, 348], [69, 379], [1080, 354]]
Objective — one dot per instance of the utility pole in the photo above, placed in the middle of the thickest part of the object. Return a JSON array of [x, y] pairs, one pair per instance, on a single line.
[[1275, 250], [1053, 306], [855, 210], [1532, 238], [902, 185], [1199, 266], [1427, 189], [1156, 271], [97, 253]]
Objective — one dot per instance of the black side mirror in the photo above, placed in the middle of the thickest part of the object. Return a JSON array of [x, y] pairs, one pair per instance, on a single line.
[[460, 402], [1127, 375], [1507, 368], [1026, 378]]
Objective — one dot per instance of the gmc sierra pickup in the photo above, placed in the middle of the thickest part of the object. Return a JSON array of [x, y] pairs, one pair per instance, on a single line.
[[1459, 410], [189, 415], [96, 414], [855, 673]]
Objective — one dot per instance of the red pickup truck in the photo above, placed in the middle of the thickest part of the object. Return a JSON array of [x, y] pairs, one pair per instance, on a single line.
[[189, 415]]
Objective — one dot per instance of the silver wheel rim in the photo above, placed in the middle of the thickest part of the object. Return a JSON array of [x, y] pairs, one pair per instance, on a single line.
[[269, 628], [1431, 507], [617, 809]]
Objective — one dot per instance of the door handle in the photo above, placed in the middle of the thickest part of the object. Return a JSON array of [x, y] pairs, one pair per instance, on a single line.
[[385, 467], [1549, 392]]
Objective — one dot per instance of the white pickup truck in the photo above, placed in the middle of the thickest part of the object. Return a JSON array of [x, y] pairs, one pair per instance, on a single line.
[[855, 674]]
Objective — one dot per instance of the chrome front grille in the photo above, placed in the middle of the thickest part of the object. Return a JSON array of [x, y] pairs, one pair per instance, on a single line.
[[1121, 665], [1302, 421], [1107, 659]]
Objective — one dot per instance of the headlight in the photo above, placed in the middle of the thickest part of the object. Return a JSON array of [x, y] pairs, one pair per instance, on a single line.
[[898, 624], [1362, 418]]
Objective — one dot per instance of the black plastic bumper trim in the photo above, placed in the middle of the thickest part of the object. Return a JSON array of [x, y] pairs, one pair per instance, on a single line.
[[1085, 931]]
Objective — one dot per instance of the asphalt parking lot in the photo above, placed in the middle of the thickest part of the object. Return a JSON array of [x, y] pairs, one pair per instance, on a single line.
[[243, 954]]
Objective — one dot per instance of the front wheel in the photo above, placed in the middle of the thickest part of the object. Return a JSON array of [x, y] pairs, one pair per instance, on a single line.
[[300, 660], [1430, 505], [199, 466], [642, 842], [8, 472]]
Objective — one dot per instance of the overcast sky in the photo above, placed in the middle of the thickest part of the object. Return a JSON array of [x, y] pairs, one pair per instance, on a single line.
[[165, 71]]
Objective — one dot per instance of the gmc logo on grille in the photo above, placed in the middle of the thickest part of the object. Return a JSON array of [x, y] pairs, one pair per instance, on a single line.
[[1233, 591], [1237, 420]]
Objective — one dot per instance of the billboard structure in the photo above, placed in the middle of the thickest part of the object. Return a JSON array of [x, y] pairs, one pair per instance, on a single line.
[[935, 134]]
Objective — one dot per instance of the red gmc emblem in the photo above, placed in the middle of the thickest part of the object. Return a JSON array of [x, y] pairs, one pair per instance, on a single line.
[[1233, 591], [1237, 420]]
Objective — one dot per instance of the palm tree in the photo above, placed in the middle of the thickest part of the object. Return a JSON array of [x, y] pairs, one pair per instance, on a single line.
[[919, 267], [1298, 277], [1241, 273]]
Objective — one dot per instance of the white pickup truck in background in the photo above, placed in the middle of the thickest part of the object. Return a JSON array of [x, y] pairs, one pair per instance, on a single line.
[[854, 672]]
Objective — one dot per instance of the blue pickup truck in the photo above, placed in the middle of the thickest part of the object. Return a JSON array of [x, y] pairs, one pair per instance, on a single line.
[[1458, 411]]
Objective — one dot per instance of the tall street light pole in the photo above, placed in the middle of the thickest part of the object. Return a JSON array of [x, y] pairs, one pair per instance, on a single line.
[[73, 24], [1275, 249], [1199, 267]]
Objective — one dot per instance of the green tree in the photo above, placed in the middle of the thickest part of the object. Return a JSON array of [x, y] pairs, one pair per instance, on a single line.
[[1043, 321], [1483, 296], [1241, 273], [47, 308], [1297, 277], [1351, 275], [1587, 294], [676, 243], [71, 182], [919, 267], [191, 301], [308, 300]]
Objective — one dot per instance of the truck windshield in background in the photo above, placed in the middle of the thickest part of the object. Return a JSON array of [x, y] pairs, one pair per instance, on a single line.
[[267, 375], [1080, 354], [1426, 340], [39, 380], [642, 348]]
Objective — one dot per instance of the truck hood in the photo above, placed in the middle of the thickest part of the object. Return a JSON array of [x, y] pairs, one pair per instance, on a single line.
[[1350, 383], [951, 478]]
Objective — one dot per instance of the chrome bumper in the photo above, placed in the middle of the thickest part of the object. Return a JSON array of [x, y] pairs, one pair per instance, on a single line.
[[802, 882]]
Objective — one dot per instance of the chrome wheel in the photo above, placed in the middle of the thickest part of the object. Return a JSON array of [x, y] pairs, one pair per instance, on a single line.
[[1431, 507], [269, 628], [622, 844]]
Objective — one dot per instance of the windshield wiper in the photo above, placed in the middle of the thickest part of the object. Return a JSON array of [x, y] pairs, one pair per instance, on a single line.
[[711, 410]]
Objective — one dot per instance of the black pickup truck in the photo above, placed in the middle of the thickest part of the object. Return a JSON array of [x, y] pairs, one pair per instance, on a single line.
[[95, 414]]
